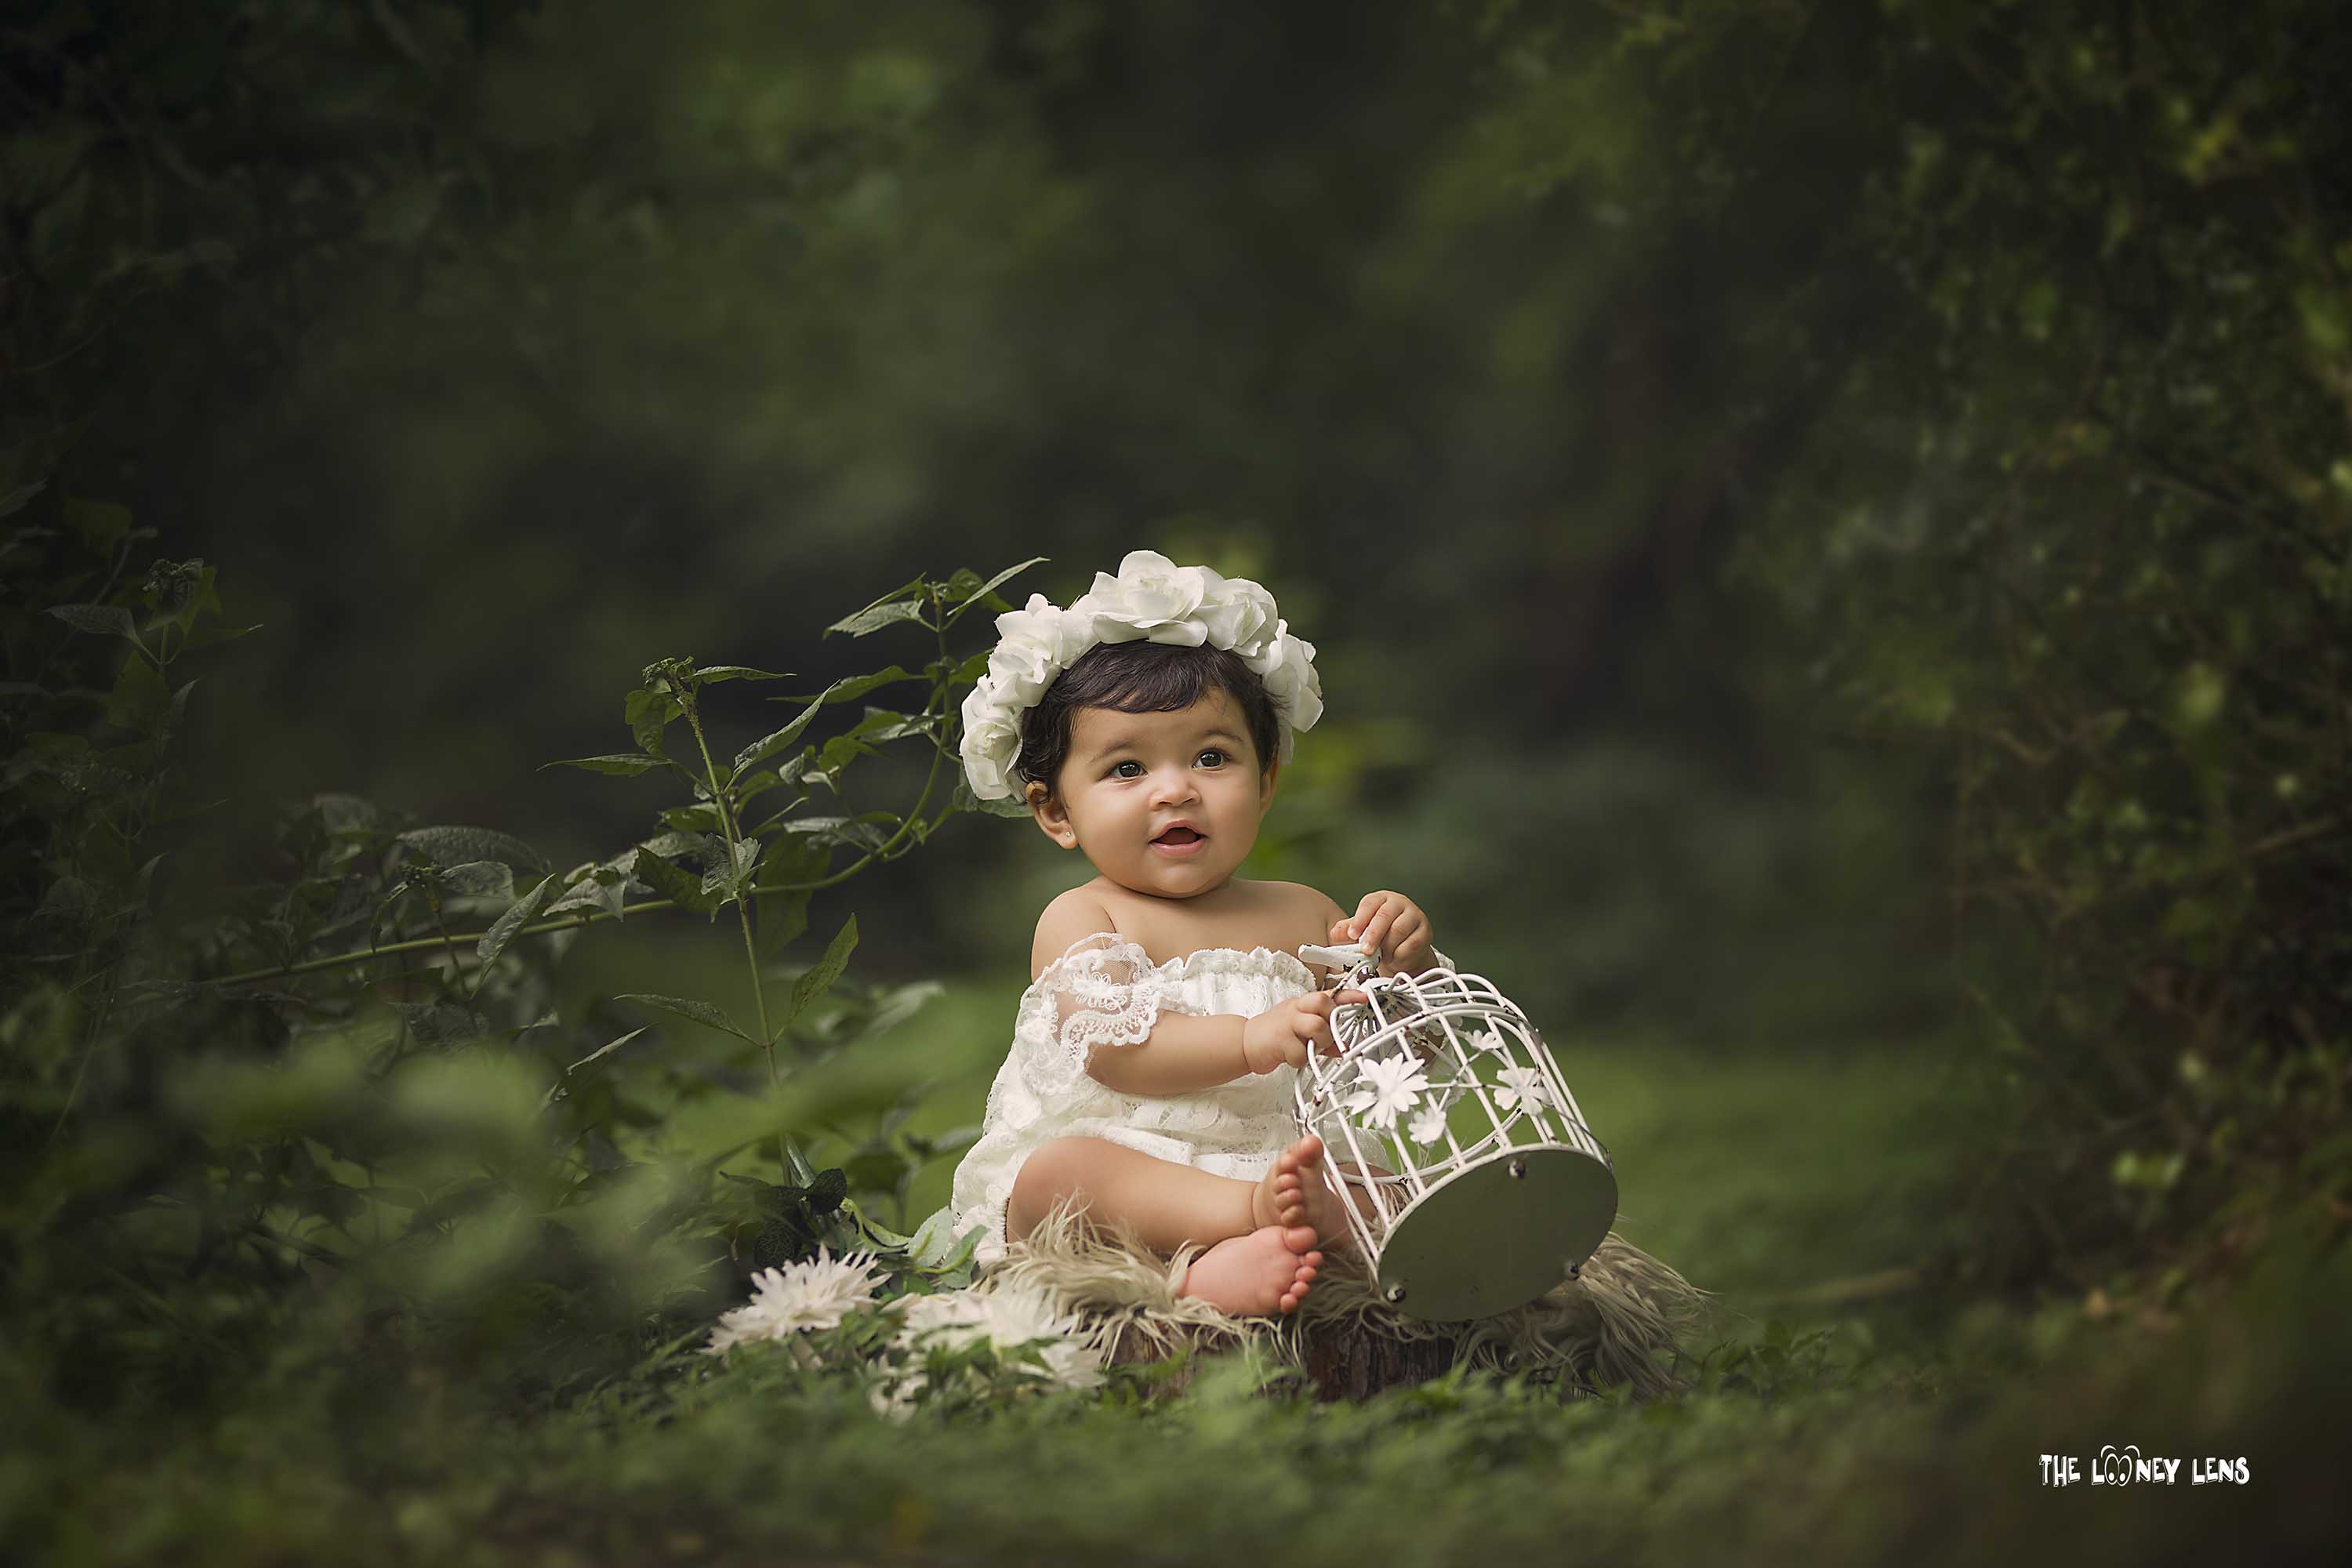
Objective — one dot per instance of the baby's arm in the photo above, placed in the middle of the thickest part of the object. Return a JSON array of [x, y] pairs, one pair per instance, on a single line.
[[1185, 1052], [1182, 1053]]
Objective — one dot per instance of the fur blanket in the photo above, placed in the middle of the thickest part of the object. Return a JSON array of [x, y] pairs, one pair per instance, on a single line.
[[1622, 1320]]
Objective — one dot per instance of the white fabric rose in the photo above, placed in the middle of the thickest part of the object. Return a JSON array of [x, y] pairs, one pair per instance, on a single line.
[[1287, 668], [1239, 616], [1037, 644], [992, 739], [1152, 598]]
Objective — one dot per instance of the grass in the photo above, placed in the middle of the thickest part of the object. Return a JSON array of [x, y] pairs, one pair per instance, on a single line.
[[1860, 1430]]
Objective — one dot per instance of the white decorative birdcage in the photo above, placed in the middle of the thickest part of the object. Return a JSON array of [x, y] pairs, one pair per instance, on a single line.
[[1470, 1180]]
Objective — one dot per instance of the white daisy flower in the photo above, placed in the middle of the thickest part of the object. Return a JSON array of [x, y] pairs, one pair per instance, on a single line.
[[815, 1293], [1016, 1315], [1520, 1085], [1489, 1040], [1428, 1123], [1390, 1086], [956, 1317], [1007, 1317]]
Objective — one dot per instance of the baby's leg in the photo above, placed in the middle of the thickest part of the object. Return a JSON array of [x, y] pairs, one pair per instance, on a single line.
[[1250, 1268], [1168, 1204]]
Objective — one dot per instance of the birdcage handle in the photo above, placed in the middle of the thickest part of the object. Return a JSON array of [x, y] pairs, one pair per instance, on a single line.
[[1345, 960], [1340, 960]]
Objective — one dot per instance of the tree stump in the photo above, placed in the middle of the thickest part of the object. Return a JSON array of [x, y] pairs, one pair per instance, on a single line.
[[1342, 1359]]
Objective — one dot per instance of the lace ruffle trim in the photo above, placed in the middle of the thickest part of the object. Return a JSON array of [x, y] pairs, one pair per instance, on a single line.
[[1207, 961]]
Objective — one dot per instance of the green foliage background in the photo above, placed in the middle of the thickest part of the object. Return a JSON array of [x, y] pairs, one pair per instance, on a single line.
[[1826, 529]]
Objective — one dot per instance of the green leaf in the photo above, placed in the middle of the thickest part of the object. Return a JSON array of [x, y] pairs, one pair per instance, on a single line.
[[686, 1007], [441, 1023], [819, 980], [855, 686], [782, 916], [139, 700], [929, 1244], [751, 788], [962, 799], [603, 888], [455, 845], [502, 930], [105, 620], [212, 635], [620, 762], [647, 713], [884, 725], [912, 589], [14, 501], [708, 848], [555, 1090], [878, 616], [696, 819], [719, 673], [978, 595], [727, 883], [836, 754], [768, 747], [669, 882], [476, 880], [825, 1192], [865, 832]]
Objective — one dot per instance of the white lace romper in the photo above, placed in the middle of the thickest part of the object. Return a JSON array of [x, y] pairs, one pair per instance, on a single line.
[[1105, 992]]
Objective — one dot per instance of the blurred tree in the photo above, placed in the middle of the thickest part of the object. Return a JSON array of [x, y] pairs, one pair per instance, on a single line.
[[2060, 294]]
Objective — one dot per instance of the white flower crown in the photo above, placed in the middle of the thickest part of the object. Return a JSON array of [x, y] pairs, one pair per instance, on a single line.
[[1151, 597]]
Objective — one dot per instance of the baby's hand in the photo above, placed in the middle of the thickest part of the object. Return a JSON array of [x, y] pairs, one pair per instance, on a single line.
[[1392, 925], [1292, 1031]]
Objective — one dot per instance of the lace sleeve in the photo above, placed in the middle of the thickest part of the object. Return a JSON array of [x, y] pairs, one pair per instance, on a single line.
[[1104, 990]]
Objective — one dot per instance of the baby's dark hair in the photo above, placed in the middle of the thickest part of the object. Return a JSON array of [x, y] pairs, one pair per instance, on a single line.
[[1140, 676]]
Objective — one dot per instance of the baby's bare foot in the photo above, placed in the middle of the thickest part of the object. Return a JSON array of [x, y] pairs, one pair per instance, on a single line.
[[1267, 1271], [1295, 1191]]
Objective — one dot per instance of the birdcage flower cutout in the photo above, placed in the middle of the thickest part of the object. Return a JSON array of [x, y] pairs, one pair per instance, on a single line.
[[1386, 1087]]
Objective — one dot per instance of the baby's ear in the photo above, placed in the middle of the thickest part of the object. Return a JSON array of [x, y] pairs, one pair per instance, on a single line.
[[1052, 820]]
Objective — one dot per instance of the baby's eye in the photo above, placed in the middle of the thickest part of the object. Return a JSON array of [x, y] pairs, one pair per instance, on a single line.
[[1130, 763], [1213, 752]]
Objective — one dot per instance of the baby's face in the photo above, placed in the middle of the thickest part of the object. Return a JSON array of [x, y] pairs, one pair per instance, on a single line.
[[1131, 777]]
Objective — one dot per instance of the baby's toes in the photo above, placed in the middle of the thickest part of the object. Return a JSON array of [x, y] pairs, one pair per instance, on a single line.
[[1301, 1283]]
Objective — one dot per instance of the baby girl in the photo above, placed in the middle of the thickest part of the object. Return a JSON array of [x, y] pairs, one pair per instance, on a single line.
[[1154, 1050]]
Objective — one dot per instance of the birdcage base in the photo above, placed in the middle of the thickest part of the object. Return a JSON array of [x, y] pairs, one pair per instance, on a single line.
[[1496, 1235]]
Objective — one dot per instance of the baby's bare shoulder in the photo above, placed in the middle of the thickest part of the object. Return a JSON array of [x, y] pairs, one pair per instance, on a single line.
[[1071, 918], [1317, 905]]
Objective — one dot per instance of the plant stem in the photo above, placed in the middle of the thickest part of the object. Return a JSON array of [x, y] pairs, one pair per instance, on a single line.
[[719, 794]]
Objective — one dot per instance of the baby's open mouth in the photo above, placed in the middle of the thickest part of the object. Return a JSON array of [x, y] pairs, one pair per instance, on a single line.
[[1177, 835]]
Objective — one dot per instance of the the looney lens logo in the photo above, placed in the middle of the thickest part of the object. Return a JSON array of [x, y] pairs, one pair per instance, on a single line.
[[2127, 1466]]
